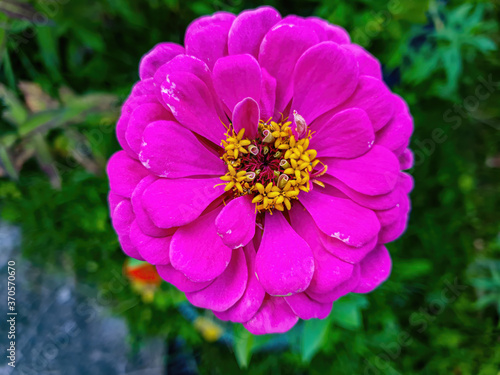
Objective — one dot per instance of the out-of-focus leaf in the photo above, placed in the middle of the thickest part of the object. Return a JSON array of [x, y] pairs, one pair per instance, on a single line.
[[36, 99], [45, 160], [82, 153], [347, 311], [453, 66], [413, 11], [484, 44], [243, 344], [90, 39], [38, 120], [3, 33], [458, 35], [47, 41], [18, 9], [424, 62], [18, 26], [201, 7], [413, 268], [15, 111], [7, 69], [7, 164], [75, 108], [313, 336]]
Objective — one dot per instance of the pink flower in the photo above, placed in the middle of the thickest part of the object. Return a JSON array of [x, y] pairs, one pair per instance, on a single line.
[[261, 167]]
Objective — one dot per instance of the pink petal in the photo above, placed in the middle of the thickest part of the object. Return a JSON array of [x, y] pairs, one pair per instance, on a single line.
[[330, 32], [406, 181], [252, 299], [159, 55], [122, 219], [226, 289], [397, 132], [340, 291], [274, 316], [329, 271], [375, 202], [145, 87], [347, 134], [141, 216], [206, 38], [176, 202], [341, 219], [268, 95], [154, 250], [122, 125], [406, 159], [375, 269], [170, 150], [347, 253], [279, 52], [121, 128], [307, 308], [249, 28], [192, 104], [373, 173], [387, 217], [368, 65], [113, 201], [187, 64], [142, 116], [246, 116], [393, 230], [124, 173], [309, 23], [284, 263], [237, 77], [197, 251], [375, 98], [325, 76], [236, 222], [177, 279]]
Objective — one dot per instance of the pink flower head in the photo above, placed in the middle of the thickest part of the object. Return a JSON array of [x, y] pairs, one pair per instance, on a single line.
[[261, 167]]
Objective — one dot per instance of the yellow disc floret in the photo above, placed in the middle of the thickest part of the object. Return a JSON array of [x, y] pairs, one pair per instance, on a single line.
[[274, 167]]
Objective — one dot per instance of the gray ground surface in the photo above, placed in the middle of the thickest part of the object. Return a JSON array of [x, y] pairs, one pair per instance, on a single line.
[[60, 329]]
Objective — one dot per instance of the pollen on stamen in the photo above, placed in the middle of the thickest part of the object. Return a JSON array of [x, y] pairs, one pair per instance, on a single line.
[[275, 167]]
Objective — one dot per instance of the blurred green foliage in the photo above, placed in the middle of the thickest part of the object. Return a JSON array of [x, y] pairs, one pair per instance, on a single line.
[[66, 66]]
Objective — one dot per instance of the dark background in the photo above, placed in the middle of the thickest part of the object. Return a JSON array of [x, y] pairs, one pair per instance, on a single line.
[[65, 68]]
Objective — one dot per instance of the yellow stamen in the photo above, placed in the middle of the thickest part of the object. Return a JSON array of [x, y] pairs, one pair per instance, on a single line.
[[293, 172]]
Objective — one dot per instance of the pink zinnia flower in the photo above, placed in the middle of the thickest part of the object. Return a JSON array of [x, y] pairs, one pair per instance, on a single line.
[[261, 167]]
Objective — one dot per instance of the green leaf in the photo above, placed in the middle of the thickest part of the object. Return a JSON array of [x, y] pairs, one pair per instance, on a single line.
[[414, 268], [3, 34], [413, 11], [313, 336], [7, 68], [7, 164], [90, 39], [47, 41], [45, 159], [242, 345], [38, 120], [347, 311], [484, 44], [15, 112], [452, 60]]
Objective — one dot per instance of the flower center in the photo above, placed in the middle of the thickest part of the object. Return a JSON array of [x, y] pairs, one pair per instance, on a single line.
[[274, 167]]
